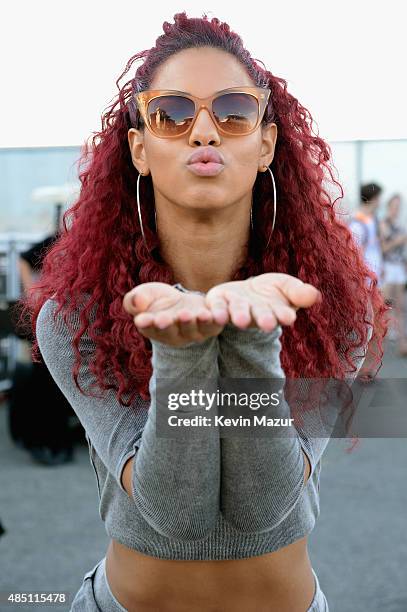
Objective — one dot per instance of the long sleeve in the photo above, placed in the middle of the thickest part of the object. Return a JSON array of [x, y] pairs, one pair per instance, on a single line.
[[175, 481], [262, 477], [114, 430]]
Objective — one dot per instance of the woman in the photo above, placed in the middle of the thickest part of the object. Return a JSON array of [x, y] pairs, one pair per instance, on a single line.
[[198, 282], [394, 240]]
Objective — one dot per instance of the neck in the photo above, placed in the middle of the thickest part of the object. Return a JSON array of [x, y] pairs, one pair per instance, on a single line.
[[367, 210], [204, 248]]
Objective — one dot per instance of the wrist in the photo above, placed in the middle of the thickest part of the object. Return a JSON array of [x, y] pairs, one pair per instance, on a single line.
[[184, 290], [190, 348]]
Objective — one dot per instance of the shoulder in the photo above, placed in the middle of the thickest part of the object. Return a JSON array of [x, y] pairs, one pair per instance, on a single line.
[[46, 314], [57, 324], [358, 227], [357, 219], [52, 306], [51, 337]]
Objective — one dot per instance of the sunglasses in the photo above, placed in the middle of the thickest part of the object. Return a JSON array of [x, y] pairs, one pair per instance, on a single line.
[[236, 111]]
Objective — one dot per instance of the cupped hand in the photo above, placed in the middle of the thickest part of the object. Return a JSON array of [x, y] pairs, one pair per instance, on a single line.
[[161, 312], [262, 301]]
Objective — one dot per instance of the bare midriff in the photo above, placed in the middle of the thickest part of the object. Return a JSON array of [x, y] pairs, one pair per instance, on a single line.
[[281, 581]]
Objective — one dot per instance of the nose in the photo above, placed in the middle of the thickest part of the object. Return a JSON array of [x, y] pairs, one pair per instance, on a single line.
[[204, 129]]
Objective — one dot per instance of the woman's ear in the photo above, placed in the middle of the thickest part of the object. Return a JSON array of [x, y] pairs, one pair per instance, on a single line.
[[269, 138], [136, 144]]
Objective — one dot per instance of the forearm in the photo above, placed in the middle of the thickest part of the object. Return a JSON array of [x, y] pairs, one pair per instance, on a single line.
[[113, 429], [176, 481], [262, 477], [269, 471]]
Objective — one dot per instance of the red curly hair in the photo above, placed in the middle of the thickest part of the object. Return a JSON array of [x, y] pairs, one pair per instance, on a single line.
[[102, 254]]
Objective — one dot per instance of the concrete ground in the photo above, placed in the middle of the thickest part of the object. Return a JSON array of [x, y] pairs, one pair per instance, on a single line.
[[359, 547]]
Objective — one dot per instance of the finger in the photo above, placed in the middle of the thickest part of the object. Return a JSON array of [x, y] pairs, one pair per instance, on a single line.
[[138, 299], [285, 314], [143, 320], [300, 294], [187, 325], [150, 323], [206, 324], [264, 317], [159, 320], [219, 308], [163, 320], [198, 325], [305, 296], [239, 309], [169, 335], [145, 325]]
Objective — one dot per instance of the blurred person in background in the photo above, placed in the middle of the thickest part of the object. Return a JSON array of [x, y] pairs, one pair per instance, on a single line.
[[365, 227], [29, 262], [394, 240], [39, 414]]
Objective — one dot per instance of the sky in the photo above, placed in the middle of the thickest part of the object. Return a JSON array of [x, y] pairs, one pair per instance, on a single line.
[[343, 60]]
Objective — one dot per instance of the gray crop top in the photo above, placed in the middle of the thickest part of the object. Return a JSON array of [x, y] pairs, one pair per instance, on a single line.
[[194, 498]]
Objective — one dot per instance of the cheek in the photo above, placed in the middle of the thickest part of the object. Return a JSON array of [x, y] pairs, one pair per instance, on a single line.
[[247, 163], [162, 158], [244, 153], [244, 165]]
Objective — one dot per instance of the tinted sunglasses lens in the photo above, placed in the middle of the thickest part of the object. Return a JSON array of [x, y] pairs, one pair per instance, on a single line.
[[170, 115], [236, 112]]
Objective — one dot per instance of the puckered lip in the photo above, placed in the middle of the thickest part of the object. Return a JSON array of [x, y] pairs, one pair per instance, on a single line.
[[206, 154]]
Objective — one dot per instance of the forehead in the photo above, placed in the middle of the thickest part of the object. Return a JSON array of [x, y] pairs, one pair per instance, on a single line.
[[201, 72]]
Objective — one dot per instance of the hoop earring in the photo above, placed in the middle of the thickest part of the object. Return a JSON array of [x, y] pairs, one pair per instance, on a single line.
[[139, 209], [274, 205]]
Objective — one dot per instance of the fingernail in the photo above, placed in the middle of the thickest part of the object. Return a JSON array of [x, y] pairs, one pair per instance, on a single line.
[[161, 325], [219, 310]]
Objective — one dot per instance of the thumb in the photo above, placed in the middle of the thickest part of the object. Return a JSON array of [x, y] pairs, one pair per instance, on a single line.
[[139, 298], [303, 295], [300, 294]]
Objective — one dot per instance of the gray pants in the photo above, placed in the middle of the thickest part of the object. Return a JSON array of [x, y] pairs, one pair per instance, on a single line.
[[96, 596]]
